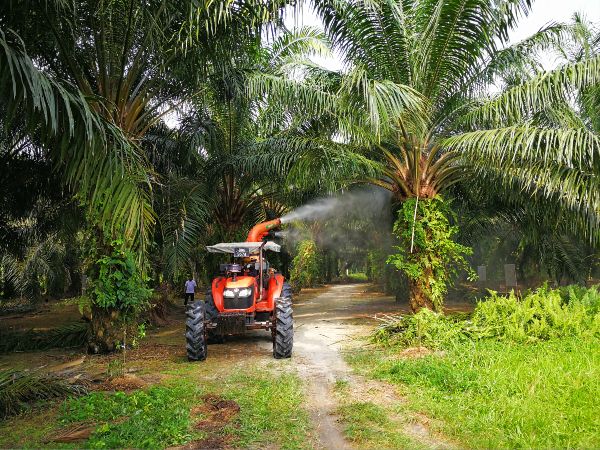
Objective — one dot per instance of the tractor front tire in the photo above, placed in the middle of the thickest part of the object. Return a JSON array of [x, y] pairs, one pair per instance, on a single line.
[[195, 334], [283, 334], [286, 290]]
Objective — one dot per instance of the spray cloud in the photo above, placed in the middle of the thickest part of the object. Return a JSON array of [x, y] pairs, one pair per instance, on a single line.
[[348, 223], [367, 202]]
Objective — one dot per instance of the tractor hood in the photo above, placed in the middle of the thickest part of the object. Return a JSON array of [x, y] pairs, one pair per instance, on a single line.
[[234, 248]]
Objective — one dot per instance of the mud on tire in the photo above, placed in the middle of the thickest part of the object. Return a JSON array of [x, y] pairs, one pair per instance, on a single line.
[[195, 335], [283, 334]]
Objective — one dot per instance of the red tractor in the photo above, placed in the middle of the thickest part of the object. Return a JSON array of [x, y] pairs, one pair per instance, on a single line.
[[247, 295]]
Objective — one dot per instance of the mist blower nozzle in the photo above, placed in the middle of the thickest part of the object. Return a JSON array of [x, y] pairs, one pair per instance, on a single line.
[[259, 231]]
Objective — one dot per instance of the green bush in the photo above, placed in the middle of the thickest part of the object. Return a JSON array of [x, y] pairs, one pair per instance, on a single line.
[[425, 328], [306, 265], [120, 283], [540, 315]]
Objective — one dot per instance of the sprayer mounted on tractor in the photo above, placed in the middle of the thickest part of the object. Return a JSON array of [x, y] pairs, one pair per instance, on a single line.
[[247, 295]]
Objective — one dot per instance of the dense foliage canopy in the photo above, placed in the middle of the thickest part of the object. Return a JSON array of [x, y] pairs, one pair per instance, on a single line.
[[170, 125]]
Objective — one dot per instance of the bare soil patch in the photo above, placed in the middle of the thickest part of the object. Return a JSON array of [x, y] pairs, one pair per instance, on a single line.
[[415, 352], [217, 411], [125, 383], [209, 443]]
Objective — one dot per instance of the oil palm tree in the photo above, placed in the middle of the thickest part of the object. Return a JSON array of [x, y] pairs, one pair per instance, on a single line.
[[91, 79], [210, 191], [448, 56]]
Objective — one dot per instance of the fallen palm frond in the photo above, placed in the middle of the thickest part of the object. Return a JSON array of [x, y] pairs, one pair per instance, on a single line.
[[17, 305], [19, 388], [71, 335]]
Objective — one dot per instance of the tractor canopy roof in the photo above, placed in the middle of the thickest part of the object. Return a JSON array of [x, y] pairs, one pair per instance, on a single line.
[[243, 248]]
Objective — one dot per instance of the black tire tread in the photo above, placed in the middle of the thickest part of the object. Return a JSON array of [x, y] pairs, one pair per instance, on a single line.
[[211, 310], [211, 315], [283, 336], [195, 337], [286, 291]]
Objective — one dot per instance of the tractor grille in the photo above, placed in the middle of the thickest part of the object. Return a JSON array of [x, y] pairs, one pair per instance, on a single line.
[[231, 323], [239, 302]]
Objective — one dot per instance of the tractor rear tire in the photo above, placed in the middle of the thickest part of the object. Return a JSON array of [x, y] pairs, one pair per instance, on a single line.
[[211, 315], [195, 334], [283, 334]]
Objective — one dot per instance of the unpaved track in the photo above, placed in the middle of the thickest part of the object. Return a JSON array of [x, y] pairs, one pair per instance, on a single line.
[[323, 325], [325, 320]]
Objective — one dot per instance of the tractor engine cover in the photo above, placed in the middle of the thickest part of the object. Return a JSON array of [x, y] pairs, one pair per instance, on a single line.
[[235, 294]]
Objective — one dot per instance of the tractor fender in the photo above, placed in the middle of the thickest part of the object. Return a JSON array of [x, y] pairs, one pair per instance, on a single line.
[[274, 290], [217, 288]]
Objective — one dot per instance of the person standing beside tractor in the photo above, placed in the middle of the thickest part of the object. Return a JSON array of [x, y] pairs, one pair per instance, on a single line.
[[190, 290]]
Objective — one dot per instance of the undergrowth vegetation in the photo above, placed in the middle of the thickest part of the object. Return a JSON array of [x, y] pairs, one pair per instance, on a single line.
[[143, 419], [261, 409], [306, 266], [540, 315], [515, 373]]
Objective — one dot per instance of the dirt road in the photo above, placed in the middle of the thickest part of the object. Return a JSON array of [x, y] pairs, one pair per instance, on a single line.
[[324, 324], [325, 320]]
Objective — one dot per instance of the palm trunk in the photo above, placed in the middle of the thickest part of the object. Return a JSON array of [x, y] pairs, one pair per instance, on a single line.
[[105, 330], [419, 297]]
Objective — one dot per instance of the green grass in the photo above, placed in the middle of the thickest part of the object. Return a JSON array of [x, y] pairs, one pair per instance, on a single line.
[[271, 412], [271, 409], [368, 425], [491, 394], [358, 277]]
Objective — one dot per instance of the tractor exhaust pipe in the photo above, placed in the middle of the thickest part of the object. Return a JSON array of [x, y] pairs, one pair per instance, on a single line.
[[259, 231]]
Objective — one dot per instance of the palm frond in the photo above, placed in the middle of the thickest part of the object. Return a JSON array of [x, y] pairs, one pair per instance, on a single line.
[[298, 44], [516, 63], [103, 166], [183, 223], [20, 388], [577, 147], [557, 164], [67, 336], [547, 88]]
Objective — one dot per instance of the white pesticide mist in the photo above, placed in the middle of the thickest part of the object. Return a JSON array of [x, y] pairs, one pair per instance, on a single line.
[[367, 202], [342, 220]]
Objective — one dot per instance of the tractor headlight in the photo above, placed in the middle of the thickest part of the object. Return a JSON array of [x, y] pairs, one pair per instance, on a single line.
[[245, 292], [231, 293]]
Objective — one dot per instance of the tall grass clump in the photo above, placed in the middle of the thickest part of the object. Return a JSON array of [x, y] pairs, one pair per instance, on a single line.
[[542, 314]]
